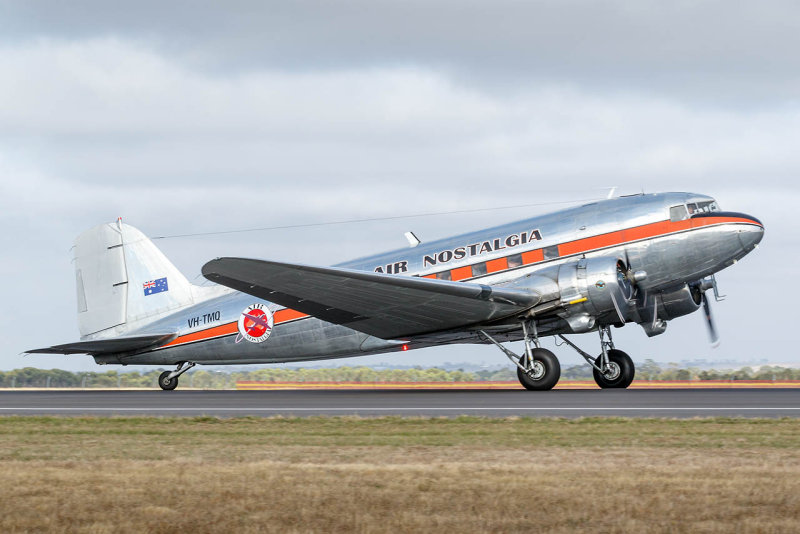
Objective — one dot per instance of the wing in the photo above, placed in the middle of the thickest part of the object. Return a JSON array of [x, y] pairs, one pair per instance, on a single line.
[[385, 306], [108, 346]]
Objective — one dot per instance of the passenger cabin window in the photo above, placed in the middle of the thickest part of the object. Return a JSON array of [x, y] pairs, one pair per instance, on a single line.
[[550, 252], [479, 269], [515, 260], [678, 213]]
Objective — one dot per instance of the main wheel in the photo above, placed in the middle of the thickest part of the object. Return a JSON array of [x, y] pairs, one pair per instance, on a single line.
[[167, 383], [545, 371], [620, 370]]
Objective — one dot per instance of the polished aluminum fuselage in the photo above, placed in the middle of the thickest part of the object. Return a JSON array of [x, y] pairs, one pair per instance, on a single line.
[[635, 228]]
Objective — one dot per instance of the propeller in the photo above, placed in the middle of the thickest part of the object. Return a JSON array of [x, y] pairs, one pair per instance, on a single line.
[[712, 329], [704, 286]]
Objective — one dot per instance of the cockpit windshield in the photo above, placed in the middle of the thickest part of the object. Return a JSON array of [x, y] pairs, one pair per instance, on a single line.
[[684, 211], [705, 206]]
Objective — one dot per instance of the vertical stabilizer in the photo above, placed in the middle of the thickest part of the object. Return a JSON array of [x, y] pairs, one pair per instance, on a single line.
[[123, 279]]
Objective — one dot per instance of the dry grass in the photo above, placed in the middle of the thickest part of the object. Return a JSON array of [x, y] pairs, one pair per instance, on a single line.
[[395, 475]]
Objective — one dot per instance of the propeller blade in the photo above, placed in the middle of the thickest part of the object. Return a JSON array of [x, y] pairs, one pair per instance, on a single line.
[[648, 313], [712, 329]]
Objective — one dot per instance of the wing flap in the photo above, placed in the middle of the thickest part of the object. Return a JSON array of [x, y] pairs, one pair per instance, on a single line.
[[381, 305], [108, 346]]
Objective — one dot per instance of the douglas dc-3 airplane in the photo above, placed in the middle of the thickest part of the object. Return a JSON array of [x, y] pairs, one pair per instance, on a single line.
[[642, 259]]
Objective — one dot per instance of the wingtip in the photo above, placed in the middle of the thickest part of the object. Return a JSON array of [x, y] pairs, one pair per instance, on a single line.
[[207, 267]]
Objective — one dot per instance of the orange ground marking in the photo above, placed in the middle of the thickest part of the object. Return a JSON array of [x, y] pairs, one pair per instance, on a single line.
[[564, 384]]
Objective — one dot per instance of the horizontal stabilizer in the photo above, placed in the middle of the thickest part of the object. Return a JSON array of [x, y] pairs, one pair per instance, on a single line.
[[381, 305], [108, 346]]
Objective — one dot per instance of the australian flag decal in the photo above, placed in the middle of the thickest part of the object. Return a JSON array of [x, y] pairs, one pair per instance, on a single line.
[[155, 286]]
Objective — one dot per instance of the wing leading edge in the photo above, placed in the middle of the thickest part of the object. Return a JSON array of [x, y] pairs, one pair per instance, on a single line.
[[381, 305]]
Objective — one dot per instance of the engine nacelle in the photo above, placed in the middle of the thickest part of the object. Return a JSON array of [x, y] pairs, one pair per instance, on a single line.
[[584, 291], [669, 305], [679, 302]]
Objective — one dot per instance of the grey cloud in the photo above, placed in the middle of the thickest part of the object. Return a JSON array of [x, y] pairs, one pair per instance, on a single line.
[[109, 110], [713, 51]]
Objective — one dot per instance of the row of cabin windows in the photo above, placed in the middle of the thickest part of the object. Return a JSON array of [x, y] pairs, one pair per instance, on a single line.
[[493, 266], [482, 268]]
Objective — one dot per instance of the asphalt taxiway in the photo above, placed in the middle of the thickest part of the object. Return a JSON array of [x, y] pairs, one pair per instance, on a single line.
[[556, 403]]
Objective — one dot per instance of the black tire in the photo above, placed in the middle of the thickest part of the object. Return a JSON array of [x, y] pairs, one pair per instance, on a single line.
[[166, 383], [550, 371], [618, 380]]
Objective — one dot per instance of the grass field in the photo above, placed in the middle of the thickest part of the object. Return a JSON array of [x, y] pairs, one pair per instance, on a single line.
[[398, 474]]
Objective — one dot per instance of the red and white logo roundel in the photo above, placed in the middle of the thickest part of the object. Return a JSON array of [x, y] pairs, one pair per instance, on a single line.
[[255, 324]]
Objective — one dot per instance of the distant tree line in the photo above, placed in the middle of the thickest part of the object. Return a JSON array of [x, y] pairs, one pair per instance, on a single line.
[[56, 378], [649, 370]]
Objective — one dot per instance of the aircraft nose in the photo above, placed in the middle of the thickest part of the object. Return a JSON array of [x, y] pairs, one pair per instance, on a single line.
[[750, 235]]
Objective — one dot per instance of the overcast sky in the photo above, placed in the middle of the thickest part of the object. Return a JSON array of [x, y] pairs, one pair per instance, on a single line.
[[189, 117]]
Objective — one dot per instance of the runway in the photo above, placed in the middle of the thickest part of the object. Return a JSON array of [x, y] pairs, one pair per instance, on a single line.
[[450, 403]]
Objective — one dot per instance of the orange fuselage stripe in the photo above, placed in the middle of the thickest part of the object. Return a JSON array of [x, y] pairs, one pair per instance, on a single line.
[[461, 273], [221, 330], [532, 256], [645, 231], [287, 314], [281, 316], [496, 266]]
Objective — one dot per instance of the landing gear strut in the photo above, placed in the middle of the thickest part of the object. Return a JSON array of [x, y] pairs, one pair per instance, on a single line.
[[612, 368], [537, 369], [168, 380]]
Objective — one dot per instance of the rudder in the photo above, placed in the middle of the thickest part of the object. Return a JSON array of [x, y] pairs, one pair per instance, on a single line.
[[123, 279]]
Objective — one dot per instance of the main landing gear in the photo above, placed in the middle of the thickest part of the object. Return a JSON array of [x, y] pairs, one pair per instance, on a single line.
[[613, 368], [538, 369], [168, 380]]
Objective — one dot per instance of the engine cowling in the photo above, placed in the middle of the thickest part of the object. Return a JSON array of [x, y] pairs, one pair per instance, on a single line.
[[593, 288], [584, 291], [602, 281]]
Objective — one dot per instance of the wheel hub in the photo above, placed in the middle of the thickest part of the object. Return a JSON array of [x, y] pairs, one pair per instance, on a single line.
[[612, 371], [537, 370]]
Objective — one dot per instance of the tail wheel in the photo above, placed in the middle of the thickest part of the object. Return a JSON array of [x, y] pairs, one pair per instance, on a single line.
[[542, 374], [620, 370], [167, 383]]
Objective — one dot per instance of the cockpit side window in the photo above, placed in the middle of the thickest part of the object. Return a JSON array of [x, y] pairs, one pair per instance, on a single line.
[[678, 213]]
